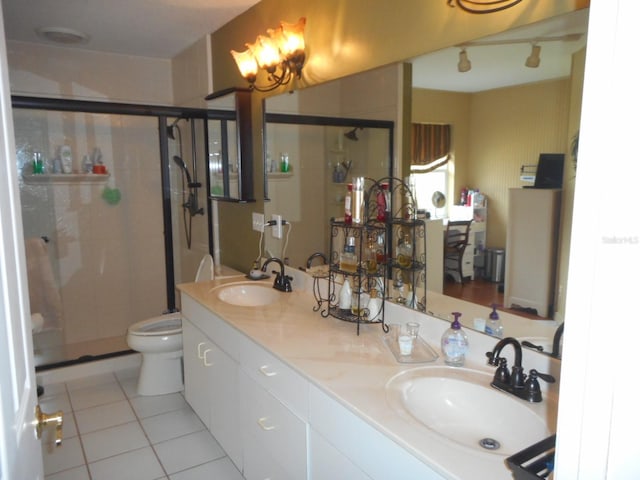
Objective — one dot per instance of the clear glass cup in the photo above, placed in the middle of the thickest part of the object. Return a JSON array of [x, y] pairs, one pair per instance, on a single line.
[[412, 328]]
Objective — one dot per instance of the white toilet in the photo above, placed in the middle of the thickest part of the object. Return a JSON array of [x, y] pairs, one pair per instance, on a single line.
[[159, 340]]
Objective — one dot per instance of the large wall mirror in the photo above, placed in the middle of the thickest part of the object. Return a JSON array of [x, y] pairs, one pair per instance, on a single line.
[[497, 126]]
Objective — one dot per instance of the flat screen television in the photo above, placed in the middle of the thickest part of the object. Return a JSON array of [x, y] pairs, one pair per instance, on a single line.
[[550, 170]]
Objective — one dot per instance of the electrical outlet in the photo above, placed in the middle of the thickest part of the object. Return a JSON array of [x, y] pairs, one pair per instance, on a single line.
[[257, 220], [276, 231]]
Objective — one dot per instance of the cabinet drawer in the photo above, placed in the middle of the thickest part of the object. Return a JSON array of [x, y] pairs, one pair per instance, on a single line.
[[276, 377], [277, 431]]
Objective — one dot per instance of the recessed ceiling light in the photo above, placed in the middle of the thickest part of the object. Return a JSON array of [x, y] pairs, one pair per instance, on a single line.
[[62, 35]]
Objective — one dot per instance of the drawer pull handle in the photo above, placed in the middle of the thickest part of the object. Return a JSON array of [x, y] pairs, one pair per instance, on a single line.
[[262, 422], [204, 358], [265, 371], [200, 350]]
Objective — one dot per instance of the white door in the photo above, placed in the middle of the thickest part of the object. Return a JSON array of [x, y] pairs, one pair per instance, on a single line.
[[20, 451]]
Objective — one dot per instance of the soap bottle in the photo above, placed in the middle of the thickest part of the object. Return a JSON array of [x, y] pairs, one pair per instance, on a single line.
[[494, 325], [454, 343]]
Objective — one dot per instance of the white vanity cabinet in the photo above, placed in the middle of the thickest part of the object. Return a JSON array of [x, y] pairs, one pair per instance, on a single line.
[[253, 404], [211, 381], [274, 405]]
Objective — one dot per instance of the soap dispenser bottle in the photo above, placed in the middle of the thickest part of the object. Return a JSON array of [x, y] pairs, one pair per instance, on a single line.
[[454, 343], [494, 325]]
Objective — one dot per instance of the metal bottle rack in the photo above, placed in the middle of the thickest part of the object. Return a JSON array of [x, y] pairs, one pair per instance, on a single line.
[[400, 282]]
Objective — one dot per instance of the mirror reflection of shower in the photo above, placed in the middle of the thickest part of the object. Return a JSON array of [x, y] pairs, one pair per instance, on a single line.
[[190, 184]]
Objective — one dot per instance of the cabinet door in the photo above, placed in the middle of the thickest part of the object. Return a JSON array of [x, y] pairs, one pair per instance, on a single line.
[[196, 350], [224, 410]]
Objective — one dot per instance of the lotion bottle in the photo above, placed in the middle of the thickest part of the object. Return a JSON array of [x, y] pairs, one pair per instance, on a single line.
[[454, 343]]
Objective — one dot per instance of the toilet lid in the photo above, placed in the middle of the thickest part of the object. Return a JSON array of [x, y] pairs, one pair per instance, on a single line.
[[162, 325]]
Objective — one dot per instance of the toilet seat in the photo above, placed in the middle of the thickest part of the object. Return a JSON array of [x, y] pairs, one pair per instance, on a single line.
[[170, 324]]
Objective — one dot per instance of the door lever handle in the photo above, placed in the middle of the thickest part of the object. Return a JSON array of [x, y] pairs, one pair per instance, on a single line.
[[45, 419]]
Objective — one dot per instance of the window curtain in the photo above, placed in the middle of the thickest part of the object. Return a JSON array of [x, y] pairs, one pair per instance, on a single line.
[[430, 145]]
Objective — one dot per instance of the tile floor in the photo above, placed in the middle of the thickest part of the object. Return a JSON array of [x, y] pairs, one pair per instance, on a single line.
[[110, 432]]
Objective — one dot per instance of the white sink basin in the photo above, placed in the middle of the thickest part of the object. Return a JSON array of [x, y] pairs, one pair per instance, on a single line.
[[459, 404], [247, 294]]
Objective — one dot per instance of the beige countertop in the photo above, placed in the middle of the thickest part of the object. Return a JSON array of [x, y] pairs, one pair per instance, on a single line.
[[354, 369]]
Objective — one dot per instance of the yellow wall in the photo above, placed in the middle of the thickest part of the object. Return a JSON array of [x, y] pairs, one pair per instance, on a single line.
[[493, 134]]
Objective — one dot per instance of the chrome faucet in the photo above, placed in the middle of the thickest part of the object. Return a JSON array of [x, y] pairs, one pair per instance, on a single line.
[[282, 281], [516, 382]]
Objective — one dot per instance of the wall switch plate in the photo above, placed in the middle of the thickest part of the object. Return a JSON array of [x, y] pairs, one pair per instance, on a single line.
[[276, 231], [257, 220]]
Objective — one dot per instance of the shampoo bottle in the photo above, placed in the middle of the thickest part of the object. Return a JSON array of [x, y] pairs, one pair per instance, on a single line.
[[494, 325], [454, 343]]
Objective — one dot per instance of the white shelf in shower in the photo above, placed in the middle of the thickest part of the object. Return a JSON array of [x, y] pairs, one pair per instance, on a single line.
[[66, 178]]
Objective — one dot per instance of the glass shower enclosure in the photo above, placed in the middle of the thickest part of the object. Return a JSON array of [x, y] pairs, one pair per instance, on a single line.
[[114, 213]]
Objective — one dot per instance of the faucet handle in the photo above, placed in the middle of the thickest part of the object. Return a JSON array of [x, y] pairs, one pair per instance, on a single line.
[[543, 376], [532, 386], [502, 374]]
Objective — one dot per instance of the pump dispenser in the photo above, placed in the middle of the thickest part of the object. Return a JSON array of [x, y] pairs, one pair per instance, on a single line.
[[454, 343], [494, 325]]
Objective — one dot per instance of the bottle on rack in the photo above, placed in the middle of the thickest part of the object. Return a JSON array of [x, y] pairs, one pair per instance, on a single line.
[[381, 203], [348, 258], [344, 297], [381, 256], [494, 325], [357, 205], [348, 218], [371, 258], [454, 343], [405, 251], [374, 306]]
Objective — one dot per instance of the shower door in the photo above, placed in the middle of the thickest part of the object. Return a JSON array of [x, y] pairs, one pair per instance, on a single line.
[[94, 241]]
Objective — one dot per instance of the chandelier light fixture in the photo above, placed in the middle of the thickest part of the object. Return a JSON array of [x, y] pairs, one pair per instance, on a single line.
[[280, 53], [483, 6]]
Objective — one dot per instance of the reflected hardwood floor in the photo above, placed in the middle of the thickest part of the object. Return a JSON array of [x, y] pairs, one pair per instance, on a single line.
[[481, 292]]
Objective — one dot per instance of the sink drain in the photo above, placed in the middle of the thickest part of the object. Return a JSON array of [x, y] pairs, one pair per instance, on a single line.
[[489, 444]]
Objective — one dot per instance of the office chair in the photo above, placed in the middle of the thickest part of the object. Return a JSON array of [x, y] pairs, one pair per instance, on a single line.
[[456, 240]]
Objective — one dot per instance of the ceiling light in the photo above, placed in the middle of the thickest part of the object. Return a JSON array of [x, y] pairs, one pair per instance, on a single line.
[[464, 65], [66, 36], [280, 54], [533, 60]]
